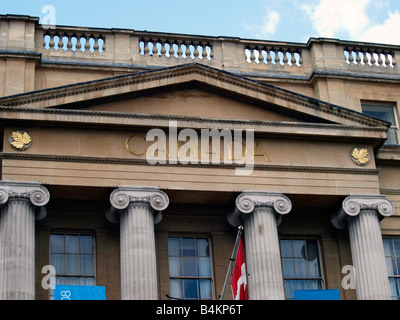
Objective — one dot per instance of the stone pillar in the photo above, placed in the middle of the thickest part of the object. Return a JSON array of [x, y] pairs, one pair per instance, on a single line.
[[137, 210], [22, 203], [261, 213], [362, 215]]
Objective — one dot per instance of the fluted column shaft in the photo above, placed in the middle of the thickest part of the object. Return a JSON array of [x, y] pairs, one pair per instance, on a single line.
[[261, 213], [362, 214], [17, 238], [138, 210]]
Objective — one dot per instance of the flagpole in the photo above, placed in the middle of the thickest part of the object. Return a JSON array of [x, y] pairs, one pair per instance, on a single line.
[[232, 261]]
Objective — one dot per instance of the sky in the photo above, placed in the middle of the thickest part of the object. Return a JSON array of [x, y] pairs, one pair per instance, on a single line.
[[275, 20]]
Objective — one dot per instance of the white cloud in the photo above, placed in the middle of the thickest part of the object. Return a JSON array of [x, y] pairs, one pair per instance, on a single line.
[[268, 27], [332, 17], [387, 32], [270, 23], [349, 19]]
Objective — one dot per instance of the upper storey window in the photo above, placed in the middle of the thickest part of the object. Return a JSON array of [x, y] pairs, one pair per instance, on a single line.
[[387, 113]]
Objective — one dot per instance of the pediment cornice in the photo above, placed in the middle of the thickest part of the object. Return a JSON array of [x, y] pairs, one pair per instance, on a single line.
[[81, 93]]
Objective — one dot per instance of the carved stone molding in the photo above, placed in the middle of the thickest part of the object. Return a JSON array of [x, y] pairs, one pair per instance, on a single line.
[[354, 204], [38, 195], [248, 201], [122, 197]]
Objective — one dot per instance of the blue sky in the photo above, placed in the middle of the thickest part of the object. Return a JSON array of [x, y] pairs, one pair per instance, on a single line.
[[281, 20]]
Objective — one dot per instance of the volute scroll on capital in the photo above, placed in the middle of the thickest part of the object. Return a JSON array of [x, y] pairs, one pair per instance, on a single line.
[[38, 195], [249, 201], [122, 197], [353, 205]]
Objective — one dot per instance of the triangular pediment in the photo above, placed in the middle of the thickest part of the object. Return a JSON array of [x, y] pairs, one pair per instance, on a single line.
[[191, 90], [196, 100]]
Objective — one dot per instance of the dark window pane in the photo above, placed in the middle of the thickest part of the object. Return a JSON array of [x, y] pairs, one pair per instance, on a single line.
[[71, 244], [190, 289], [175, 267], [189, 266], [298, 248], [202, 248], [86, 244], [188, 248], [205, 289], [288, 267], [176, 288], [286, 248], [174, 246], [57, 243], [204, 267]]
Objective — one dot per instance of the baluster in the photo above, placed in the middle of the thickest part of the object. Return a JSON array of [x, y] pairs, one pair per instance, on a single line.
[[180, 51], [187, 51], [299, 52], [52, 41], [171, 50], [260, 54], [358, 56], [78, 42], [69, 42], [365, 57], [146, 49], [252, 54], [293, 59], [346, 50], [196, 52], [277, 57], [380, 60], [387, 60], [87, 44], [60, 43], [96, 45], [351, 57], [211, 51], [285, 58], [269, 57], [394, 62], [154, 51], [163, 51], [204, 51], [373, 60]]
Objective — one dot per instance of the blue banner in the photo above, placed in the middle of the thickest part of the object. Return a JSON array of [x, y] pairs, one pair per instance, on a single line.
[[64, 292], [332, 294]]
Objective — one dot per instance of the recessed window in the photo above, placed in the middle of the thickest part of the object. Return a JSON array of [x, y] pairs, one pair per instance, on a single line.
[[301, 265], [387, 113], [189, 268], [72, 255], [392, 255]]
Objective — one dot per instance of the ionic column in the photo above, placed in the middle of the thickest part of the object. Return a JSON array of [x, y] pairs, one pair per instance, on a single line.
[[362, 215], [22, 203], [137, 209], [261, 213]]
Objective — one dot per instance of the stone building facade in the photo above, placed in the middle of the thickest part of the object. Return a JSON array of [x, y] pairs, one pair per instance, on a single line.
[[104, 175]]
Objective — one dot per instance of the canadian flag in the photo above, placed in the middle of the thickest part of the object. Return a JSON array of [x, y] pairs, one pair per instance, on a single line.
[[239, 279]]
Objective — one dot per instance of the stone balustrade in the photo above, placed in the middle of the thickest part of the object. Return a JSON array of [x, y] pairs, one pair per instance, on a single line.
[[131, 49], [74, 41], [274, 55], [175, 48], [365, 55], [147, 48]]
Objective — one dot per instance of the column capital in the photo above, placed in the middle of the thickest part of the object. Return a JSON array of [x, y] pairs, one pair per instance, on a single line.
[[122, 197], [248, 201], [354, 204], [38, 195]]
